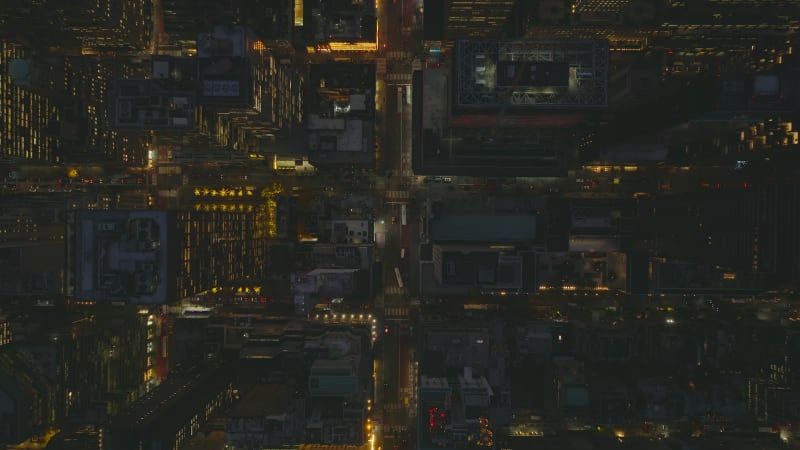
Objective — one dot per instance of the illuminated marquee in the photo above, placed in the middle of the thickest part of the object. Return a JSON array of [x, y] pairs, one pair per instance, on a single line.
[[347, 47]]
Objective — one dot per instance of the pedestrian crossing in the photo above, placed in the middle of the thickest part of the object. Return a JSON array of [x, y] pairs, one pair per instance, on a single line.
[[392, 407], [398, 54], [395, 311], [401, 77], [394, 290], [397, 194]]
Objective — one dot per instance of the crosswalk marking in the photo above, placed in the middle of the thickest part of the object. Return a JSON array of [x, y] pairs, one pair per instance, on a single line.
[[395, 311], [399, 54], [393, 407], [405, 77], [394, 290], [396, 194]]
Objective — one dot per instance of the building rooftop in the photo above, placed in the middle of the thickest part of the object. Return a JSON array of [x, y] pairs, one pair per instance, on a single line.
[[531, 74], [264, 346], [321, 366], [434, 115], [488, 140], [426, 382], [465, 264], [484, 227], [121, 255], [148, 104], [174, 400], [474, 383], [339, 21], [263, 400]]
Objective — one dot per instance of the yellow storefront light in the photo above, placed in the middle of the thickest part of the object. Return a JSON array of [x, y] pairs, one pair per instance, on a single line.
[[353, 46]]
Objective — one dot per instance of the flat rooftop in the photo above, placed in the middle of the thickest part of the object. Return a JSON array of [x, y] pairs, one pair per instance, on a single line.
[[263, 400], [486, 141], [531, 74], [483, 227]]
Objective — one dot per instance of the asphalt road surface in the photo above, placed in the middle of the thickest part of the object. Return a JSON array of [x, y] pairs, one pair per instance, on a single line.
[[397, 348]]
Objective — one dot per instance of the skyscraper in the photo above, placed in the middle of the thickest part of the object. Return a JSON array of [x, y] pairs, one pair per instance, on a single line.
[[476, 18], [24, 112], [53, 108], [158, 257], [75, 27], [31, 248]]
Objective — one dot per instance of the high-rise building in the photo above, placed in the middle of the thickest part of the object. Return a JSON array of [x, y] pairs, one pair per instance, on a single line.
[[31, 249], [339, 26], [149, 105], [250, 92], [180, 22], [85, 125], [28, 397], [77, 27], [72, 362], [24, 113], [158, 257], [105, 25], [753, 229], [271, 20], [473, 19], [511, 108], [54, 108]]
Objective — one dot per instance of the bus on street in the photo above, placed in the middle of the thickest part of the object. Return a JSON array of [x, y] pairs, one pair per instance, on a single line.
[[399, 278]]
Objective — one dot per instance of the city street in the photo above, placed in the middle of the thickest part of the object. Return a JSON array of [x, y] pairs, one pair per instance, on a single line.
[[213, 235], [398, 374]]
